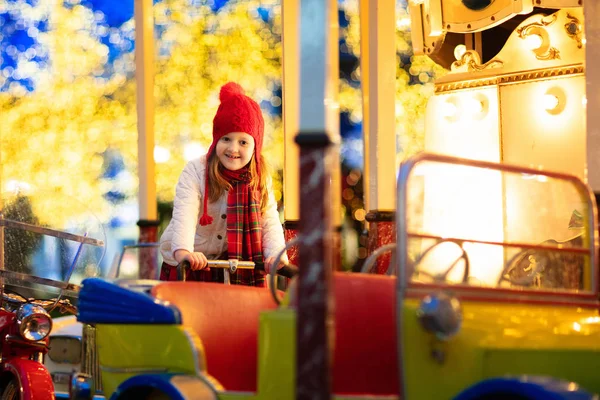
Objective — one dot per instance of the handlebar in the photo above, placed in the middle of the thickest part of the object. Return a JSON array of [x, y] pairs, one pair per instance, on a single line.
[[288, 271]]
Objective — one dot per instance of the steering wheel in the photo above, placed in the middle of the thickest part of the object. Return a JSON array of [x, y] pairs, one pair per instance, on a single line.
[[442, 277], [369, 263]]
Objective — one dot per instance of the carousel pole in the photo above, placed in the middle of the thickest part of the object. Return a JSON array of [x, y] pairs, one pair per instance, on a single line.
[[378, 80], [317, 138], [591, 13], [144, 74], [332, 126], [291, 62], [1, 217], [290, 10]]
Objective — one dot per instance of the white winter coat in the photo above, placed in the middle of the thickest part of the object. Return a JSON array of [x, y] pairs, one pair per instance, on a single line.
[[184, 231]]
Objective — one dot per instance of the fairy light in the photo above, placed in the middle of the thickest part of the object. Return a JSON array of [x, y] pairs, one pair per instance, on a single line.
[[473, 105], [449, 110], [193, 150], [459, 51], [161, 154], [81, 103], [101, 94]]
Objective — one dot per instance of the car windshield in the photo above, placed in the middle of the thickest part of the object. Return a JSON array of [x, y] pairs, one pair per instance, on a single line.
[[496, 226], [48, 244]]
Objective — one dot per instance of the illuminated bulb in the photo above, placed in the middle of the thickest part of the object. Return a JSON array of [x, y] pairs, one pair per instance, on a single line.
[[459, 51], [449, 110], [474, 105], [193, 150], [533, 42], [161, 154], [584, 101], [550, 102]]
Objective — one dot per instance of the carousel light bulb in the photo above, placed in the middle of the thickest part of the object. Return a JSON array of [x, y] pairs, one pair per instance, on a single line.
[[449, 110], [550, 102], [533, 41], [459, 51], [475, 106]]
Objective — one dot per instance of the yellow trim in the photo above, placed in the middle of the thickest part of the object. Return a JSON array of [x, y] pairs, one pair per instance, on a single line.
[[277, 354], [154, 348], [498, 340]]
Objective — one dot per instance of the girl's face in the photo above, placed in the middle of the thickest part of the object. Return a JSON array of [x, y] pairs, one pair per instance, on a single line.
[[235, 150]]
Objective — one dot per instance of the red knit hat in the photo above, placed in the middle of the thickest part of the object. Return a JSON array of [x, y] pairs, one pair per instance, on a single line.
[[236, 113]]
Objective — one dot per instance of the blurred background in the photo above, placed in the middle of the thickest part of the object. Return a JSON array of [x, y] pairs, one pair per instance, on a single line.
[[68, 92]]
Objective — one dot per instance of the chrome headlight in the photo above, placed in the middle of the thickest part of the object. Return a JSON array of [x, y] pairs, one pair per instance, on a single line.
[[34, 322]]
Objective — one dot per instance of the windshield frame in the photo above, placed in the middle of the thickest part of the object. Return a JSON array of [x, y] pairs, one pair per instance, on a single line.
[[66, 288], [404, 267]]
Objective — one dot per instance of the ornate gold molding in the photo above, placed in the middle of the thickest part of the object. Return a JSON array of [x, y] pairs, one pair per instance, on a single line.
[[471, 61], [545, 51], [574, 30], [520, 77]]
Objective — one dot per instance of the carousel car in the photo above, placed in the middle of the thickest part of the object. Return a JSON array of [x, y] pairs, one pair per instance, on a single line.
[[495, 296]]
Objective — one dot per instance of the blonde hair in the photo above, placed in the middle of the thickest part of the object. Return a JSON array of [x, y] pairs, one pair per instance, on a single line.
[[217, 184]]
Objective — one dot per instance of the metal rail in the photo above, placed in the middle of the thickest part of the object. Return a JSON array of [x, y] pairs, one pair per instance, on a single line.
[[50, 232], [68, 289], [558, 248], [65, 287]]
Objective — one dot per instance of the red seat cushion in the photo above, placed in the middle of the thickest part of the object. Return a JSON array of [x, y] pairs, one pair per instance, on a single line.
[[226, 320], [365, 353]]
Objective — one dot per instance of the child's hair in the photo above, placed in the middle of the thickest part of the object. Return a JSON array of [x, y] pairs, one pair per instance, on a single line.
[[218, 184]]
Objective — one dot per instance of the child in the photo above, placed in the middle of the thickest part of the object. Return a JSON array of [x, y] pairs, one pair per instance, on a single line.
[[231, 190]]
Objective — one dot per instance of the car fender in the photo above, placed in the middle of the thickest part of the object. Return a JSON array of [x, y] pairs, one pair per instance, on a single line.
[[175, 386], [34, 379], [527, 387]]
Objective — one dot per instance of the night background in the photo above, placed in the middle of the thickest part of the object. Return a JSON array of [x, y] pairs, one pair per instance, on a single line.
[[67, 88]]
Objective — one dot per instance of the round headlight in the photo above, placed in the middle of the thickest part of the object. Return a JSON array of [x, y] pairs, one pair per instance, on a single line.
[[441, 315], [34, 322]]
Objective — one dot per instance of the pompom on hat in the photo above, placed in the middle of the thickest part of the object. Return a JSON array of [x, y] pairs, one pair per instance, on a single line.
[[236, 113]]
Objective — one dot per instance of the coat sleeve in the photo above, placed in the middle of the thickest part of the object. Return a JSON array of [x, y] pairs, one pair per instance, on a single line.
[[186, 207], [272, 231]]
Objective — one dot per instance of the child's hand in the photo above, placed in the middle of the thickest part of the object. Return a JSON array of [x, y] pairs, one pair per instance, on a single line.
[[269, 265], [197, 261]]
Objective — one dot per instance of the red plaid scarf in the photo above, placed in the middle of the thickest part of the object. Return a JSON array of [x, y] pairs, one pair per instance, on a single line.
[[244, 231]]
